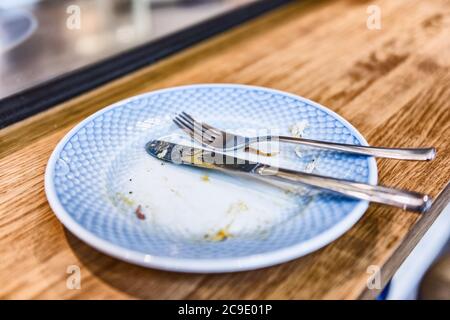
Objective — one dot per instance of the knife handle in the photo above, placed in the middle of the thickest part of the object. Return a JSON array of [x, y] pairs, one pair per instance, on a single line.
[[407, 200]]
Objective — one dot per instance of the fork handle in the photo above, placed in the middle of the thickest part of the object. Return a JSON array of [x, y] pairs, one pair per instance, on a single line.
[[392, 153], [407, 200]]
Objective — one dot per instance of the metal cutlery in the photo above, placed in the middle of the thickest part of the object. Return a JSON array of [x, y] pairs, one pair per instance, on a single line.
[[220, 140], [180, 154]]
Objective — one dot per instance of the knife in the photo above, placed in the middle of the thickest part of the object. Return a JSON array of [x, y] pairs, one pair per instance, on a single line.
[[204, 158]]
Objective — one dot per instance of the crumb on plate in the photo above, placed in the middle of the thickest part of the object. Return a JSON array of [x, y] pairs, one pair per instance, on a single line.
[[297, 129], [237, 207], [139, 214], [311, 166], [123, 198], [220, 235]]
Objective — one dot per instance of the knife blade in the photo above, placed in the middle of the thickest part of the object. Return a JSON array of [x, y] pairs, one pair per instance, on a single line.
[[198, 157], [208, 159]]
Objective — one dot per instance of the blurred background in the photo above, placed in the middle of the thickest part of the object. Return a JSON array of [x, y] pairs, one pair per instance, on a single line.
[[425, 274], [42, 39]]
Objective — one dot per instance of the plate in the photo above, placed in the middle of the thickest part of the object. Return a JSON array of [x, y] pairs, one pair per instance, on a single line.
[[105, 188]]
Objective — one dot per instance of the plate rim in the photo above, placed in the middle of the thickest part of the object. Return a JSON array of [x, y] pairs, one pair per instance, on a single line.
[[209, 265]]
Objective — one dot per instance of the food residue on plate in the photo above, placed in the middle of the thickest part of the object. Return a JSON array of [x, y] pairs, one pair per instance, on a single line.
[[139, 214], [220, 235], [223, 233], [297, 130], [237, 207], [311, 166], [121, 197], [242, 209], [298, 151], [129, 203]]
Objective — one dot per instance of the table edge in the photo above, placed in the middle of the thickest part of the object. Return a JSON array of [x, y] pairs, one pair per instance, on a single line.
[[409, 242]]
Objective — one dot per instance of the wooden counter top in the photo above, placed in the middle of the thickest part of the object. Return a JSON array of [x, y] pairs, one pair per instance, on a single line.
[[392, 84]]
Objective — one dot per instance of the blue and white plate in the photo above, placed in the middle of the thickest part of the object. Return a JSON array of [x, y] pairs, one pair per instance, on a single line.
[[108, 191]]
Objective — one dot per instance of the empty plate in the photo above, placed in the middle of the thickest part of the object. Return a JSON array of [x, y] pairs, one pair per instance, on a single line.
[[106, 189]]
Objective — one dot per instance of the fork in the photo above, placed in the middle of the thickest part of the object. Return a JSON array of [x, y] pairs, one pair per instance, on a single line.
[[217, 139]]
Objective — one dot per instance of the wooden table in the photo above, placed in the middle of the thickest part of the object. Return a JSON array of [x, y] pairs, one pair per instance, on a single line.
[[392, 84]]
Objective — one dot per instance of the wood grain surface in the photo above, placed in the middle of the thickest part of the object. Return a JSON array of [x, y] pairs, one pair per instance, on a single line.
[[392, 84]]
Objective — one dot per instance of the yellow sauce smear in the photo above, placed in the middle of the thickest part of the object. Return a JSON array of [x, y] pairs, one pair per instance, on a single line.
[[221, 235], [260, 152], [124, 199]]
